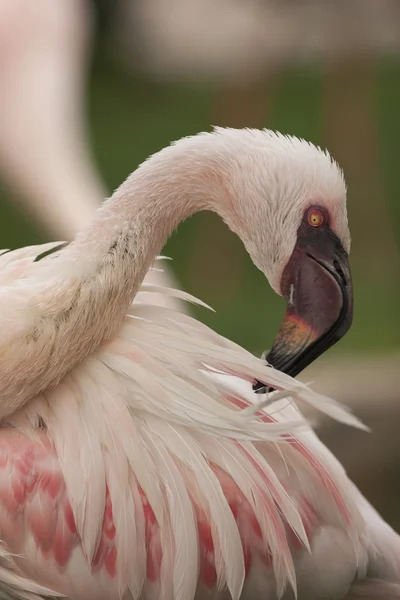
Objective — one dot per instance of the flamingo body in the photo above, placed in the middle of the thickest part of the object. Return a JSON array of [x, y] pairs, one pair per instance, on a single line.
[[46, 503], [136, 461], [48, 539]]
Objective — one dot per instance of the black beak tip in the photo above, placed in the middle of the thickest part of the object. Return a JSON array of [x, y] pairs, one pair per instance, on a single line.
[[258, 386]]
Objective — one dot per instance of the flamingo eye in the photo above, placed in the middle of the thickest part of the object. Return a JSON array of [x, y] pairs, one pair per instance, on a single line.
[[315, 217]]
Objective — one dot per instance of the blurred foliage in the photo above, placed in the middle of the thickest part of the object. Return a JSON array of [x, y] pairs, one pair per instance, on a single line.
[[131, 118]]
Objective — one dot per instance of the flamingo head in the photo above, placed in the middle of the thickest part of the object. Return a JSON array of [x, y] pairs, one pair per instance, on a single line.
[[287, 202], [286, 199]]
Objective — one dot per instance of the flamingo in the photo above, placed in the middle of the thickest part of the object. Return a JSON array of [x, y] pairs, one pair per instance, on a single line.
[[136, 461]]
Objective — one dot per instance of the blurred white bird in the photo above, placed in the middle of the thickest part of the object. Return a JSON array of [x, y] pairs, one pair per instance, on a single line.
[[135, 462], [44, 155]]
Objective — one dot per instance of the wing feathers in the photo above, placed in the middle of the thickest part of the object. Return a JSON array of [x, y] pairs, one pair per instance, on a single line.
[[168, 430]]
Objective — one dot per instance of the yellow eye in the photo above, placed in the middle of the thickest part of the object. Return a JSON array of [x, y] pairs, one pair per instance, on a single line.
[[315, 218]]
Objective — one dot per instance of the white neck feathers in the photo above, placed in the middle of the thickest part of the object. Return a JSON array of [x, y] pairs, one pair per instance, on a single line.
[[77, 300]]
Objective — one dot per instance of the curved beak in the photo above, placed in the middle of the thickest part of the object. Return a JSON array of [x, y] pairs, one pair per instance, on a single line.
[[317, 286]]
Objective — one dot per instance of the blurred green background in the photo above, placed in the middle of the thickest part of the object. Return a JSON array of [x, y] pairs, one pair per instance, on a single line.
[[131, 117]]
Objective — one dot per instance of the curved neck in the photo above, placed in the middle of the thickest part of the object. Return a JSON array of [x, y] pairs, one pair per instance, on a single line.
[[82, 296], [116, 251]]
